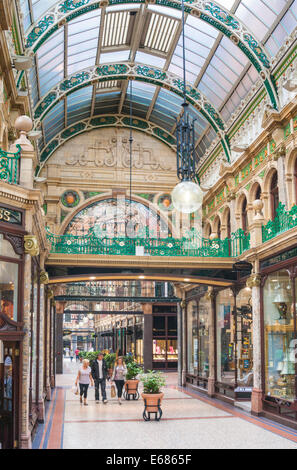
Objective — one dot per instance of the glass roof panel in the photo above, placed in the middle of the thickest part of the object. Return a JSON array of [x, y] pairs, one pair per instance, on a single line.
[[150, 59], [118, 56], [79, 104], [54, 121], [106, 103], [50, 59]]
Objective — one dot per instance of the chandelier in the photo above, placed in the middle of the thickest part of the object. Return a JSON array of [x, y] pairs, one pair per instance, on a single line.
[[187, 196]]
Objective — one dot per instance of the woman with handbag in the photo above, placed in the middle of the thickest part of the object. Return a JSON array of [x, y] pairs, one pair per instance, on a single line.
[[84, 378], [118, 376]]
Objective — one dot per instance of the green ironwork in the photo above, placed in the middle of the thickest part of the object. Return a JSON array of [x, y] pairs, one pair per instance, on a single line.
[[9, 166], [284, 220], [191, 246]]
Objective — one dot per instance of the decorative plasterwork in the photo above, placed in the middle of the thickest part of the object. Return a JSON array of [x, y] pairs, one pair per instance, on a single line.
[[106, 120], [140, 72], [44, 277], [31, 245], [227, 23]]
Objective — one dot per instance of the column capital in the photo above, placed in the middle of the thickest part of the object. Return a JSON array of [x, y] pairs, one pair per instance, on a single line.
[[254, 280], [31, 245]]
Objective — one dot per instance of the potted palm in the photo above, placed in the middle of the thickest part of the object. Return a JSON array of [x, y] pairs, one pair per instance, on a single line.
[[152, 395], [110, 360], [131, 384]]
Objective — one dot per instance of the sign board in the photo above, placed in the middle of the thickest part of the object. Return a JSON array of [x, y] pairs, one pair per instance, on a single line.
[[10, 216]]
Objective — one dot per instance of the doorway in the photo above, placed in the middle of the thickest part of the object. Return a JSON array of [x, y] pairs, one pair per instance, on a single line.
[[9, 373]]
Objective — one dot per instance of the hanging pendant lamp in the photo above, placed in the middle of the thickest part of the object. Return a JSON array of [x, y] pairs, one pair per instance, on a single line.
[[187, 196]]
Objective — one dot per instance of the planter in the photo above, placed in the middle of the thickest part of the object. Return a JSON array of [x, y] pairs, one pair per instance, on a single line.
[[131, 389], [152, 404]]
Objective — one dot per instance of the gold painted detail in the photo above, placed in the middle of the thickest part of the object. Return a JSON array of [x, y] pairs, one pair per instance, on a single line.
[[44, 277], [31, 245], [254, 280]]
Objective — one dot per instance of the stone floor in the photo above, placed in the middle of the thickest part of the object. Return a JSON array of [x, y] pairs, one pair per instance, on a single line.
[[190, 421]]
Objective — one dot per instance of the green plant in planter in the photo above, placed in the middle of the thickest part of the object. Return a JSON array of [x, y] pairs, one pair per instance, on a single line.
[[152, 382], [132, 371], [110, 360]]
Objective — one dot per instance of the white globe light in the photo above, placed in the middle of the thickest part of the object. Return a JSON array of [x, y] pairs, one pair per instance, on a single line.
[[187, 197]]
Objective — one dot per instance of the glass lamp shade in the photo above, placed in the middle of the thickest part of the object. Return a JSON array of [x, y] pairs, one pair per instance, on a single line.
[[187, 197]]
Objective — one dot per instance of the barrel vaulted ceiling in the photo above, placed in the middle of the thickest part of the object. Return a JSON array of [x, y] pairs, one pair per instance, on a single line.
[[228, 47]]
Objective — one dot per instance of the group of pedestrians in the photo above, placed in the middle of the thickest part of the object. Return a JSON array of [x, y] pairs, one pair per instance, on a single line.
[[96, 376]]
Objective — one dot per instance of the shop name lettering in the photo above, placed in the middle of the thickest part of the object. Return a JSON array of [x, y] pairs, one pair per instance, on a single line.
[[10, 216], [131, 461]]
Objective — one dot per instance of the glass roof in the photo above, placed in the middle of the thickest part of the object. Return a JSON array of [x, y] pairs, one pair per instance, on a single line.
[[151, 35]]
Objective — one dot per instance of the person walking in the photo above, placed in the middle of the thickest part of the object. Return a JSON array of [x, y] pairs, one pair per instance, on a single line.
[[99, 374], [118, 376], [84, 378], [71, 355], [76, 354]]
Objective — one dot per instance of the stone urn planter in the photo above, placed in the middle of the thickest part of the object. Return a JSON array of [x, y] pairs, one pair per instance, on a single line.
[[152, 395]]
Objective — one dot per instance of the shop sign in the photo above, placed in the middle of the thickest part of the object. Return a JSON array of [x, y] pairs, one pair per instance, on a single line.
[[244, 389], [279, 258], [10, 216]]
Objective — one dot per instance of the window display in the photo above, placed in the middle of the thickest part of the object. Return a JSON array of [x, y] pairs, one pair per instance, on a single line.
[[244, 338], [225, 337], [279, 336], [192, 312], [159, 350], [204, 309], [9, 272]]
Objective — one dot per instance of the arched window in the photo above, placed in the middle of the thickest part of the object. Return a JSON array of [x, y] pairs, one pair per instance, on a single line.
[[244, 216], [219, 229], [228, 224], [258, 192], [274, 195]]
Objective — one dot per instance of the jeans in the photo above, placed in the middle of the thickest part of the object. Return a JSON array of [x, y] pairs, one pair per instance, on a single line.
[[84, 390], [120, 385], [102, 383]]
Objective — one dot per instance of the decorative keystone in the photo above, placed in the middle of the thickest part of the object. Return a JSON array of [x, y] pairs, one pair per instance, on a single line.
[[231, 196], [280, 152], [44, 278], [254, 281], [31, 245]]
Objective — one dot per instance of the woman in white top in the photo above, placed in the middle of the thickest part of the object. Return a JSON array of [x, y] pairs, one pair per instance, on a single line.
[[84, 378], [119, 376]]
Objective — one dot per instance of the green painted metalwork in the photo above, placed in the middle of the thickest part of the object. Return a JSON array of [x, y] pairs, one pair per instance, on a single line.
[[9, 166], [191, 246], [284, 220]]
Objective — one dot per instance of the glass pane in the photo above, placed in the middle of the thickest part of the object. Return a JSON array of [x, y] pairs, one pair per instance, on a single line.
[[225, 337], [9, 289], [159, 350], [172, 354], [279, 337], [192, 338], [172, 326], [244, 338], [6, 249], [159, 326], [203, 335]]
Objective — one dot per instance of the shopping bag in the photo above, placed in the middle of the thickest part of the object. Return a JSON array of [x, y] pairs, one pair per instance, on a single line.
[[75, 389], [113, 391]]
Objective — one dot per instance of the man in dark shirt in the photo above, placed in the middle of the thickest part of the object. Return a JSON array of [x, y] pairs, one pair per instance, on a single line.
[[99, 374]]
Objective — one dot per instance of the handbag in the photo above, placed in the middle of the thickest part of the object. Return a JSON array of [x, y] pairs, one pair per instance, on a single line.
[[75, 389], [113, 391]]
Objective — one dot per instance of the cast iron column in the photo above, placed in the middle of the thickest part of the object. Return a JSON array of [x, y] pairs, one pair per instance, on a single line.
[[212, 344], [257, 394], [148, 337], [59, 337]]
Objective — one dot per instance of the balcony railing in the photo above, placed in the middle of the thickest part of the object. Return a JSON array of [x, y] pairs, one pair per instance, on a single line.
[[284, 220], [192, 246], [10, 166]]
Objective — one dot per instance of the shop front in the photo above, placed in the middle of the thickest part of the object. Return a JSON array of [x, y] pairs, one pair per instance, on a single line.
[[230, 312], [279, 287], [11, 315]]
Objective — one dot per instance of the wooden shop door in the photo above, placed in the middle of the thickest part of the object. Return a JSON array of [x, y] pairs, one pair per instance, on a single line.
[[9, 384]]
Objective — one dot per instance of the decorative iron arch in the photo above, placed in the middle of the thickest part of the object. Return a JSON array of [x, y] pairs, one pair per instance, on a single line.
[[222, 19], [99, 121], [140, 72]]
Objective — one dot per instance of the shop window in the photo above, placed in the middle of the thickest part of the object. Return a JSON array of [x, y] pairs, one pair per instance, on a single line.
[[9, 275], [279, 336], [274, 195], [159, 350], [244, 340], [172, 351], [159, 326], [192, 334], [225, 337], [204, 309], [172, 326]]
